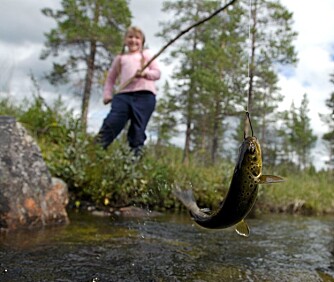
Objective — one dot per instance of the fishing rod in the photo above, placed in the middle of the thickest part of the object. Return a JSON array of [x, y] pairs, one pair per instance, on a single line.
[[250, 65], [125, 84]]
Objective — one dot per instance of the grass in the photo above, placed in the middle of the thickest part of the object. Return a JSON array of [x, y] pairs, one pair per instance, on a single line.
[[301, 193]]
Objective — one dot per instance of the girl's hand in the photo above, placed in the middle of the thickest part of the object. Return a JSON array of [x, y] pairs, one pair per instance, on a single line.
[[140, 74], [107, 100]]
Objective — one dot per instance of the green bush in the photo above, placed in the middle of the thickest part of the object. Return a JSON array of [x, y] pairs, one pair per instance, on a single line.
[[7, 108]]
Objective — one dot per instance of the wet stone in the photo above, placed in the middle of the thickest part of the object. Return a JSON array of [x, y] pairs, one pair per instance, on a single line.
[[29, 196]]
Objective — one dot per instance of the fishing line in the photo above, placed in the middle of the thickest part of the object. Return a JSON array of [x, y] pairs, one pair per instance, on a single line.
[[249, 55], [248, 106]]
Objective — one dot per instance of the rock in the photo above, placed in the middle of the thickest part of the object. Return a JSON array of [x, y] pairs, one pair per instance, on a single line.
[[29, 196], [101, 213], [129, 211], [137, 212]]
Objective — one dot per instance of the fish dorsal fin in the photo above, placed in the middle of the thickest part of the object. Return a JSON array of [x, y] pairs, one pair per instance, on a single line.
[[268, 179], [242, 228]]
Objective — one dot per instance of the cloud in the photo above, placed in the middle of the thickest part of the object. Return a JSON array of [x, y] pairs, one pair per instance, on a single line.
[[148, 21], [22, 28], [22, 21]]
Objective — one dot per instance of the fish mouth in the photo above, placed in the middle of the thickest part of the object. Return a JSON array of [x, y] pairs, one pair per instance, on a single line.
[[251, 143], [251, 148]]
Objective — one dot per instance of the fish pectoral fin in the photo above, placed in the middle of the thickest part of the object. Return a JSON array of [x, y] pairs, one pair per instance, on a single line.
[[242, 229], [268, 179]]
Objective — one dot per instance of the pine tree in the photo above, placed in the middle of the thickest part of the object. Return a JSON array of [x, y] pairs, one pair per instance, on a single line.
[[186, 13], [207, 77], [328, 119], [85, 40], [299, 134], [164, 121], [268, 96], [271, 46], [213, 68], [222, 69]]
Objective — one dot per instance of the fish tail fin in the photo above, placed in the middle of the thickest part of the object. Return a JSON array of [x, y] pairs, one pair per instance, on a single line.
[[188, 199]]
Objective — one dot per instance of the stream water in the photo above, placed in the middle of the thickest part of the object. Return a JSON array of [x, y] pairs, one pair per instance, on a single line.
[[170, 248]]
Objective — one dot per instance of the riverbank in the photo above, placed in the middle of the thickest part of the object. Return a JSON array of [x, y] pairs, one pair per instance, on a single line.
[[113, 178], [302, 194], [108, 180]]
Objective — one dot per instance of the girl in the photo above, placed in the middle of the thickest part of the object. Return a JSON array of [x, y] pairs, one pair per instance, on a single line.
[[136, 99]]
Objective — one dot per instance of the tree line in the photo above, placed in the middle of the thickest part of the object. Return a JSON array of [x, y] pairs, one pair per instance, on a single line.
[[228, 64]]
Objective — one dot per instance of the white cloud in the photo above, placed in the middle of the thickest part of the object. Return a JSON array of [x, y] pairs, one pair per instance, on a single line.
[[22, 21]]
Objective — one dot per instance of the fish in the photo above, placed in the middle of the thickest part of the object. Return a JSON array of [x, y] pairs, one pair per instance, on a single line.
[[241, 195]]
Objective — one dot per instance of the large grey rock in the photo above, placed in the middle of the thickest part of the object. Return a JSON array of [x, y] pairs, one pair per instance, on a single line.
[[29, 196]]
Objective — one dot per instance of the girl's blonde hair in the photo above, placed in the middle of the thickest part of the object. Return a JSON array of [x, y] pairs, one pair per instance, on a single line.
[[136, 30]]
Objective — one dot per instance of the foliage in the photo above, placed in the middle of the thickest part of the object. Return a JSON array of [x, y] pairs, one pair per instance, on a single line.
[[163, 120], [115, 178], [39, 118], [205, 55], [328, 120], [8, 108], [212, 72], [297, 135], [85, 40], [271, 47]]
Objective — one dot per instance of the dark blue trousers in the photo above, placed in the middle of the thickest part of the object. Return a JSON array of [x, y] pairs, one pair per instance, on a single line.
[[134, 106]]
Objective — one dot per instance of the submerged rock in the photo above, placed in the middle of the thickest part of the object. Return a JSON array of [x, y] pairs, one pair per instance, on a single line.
[[136, 212], [29, 196]]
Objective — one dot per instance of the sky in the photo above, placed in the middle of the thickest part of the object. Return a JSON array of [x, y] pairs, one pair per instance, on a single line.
[[22, 29]]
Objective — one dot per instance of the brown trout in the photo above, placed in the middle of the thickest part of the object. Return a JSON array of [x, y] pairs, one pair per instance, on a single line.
[[241, 195]]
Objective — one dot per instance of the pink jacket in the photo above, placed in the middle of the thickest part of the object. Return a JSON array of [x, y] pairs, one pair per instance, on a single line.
[[125, 67]]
